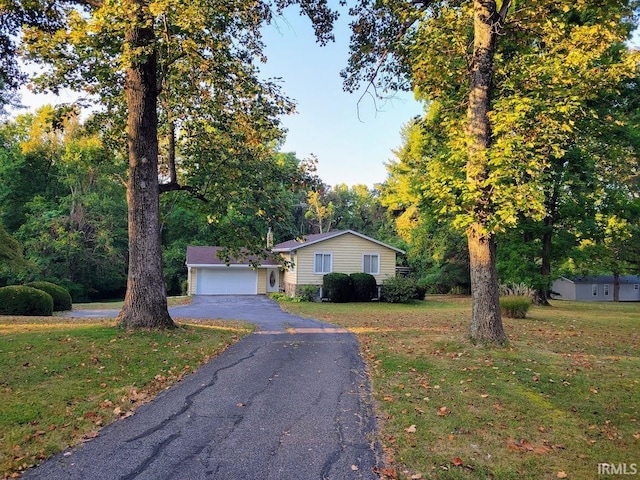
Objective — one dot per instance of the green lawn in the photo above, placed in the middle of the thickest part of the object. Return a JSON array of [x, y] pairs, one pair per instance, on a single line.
[[62, 379], [563, 397]]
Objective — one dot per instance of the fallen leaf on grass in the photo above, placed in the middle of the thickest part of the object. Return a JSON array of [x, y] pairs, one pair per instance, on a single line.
[[443, 411], [390, 473], [411, 429], [457, 462], [561, 474]]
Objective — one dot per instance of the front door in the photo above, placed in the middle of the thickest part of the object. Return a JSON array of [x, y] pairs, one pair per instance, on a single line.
[[273, 280]]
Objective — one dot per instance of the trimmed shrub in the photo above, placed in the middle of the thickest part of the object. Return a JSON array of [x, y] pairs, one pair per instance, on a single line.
[[23, 300], [337, 287], [308, 293], [515, 306], [365, 287], [60, 295], [399, 290]]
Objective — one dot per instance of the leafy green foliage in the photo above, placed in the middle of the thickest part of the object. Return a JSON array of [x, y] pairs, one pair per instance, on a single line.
[[341, 207], [308, 293], [10, 253], [15, 15], [337, 287], [60, 295], [24, 300], [399, 289], [515, 306], [365, 287], [66, 205], [283, 297]]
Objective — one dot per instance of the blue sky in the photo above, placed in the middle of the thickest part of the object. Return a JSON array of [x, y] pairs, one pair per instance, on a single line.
[[351, 140]]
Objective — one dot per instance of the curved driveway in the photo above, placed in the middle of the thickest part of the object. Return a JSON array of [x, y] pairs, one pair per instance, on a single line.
[[289, 402]]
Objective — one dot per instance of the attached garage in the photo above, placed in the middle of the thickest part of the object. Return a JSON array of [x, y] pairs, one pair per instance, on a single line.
[[225, 280], [209, 275]]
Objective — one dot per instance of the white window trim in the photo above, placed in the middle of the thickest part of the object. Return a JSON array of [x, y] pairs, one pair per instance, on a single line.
[[330, 262], [594, 289], [606, 289], [377, 254]]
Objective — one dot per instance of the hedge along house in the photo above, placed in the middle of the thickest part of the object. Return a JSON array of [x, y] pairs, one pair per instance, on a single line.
[[345, 251], [210, 275], [598, 288]]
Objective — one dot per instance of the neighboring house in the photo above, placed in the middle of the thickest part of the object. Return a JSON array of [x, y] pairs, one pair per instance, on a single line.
[[302, 262], [344, 251], [598, 288], [209, 275]]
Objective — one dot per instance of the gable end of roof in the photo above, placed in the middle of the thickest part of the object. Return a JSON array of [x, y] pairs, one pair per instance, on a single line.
[[313, 239]]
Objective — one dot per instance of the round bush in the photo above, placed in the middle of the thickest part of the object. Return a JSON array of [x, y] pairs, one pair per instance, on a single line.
[[60, 295], [23, 300], [365, 287], [399, 290], [337, 287]]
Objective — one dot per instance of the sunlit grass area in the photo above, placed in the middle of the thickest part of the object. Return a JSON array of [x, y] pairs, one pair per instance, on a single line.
[[563, 397], [117, 304], [61, 379]]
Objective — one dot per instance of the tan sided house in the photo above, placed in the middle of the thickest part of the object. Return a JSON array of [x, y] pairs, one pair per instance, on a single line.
[[303, 262], [343, 251]]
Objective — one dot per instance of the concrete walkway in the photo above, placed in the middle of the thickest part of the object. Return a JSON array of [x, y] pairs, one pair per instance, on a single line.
[[291, 401]]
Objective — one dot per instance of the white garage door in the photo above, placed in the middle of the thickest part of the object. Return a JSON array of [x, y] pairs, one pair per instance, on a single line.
[[227, 281]]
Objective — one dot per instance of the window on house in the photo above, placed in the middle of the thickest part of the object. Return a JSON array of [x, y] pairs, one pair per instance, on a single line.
[[606, 290], [322, 263], [594, 290], [636, 286], [371, 263], [292, 262]]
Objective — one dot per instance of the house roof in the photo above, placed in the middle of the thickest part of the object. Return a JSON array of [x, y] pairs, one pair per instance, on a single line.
[[315, 238], [604, 279], [197, 255]]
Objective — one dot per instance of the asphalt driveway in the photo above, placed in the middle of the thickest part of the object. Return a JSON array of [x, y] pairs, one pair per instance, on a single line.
[[290, 401]]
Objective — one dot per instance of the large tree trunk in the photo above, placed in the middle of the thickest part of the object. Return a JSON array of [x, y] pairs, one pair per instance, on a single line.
[[486, 321], [145, 304]]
